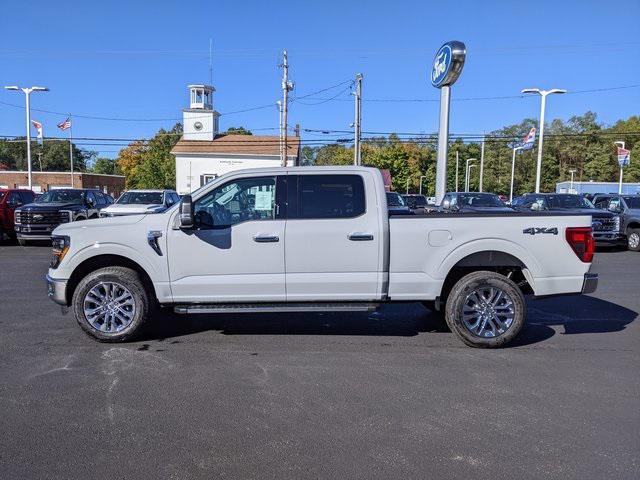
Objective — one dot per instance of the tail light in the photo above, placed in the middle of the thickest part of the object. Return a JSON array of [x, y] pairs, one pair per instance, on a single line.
[[581, 241]]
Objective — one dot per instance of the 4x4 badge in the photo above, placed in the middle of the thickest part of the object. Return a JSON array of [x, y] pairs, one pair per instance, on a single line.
[[537, 230]]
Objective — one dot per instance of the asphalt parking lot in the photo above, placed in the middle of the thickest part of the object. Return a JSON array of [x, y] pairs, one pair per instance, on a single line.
[[393, 395]]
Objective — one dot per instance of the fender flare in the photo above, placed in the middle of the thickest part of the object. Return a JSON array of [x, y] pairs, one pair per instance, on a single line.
[[488, 245]]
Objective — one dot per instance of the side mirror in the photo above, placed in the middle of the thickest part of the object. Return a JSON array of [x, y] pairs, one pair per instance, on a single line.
[[186, 212]]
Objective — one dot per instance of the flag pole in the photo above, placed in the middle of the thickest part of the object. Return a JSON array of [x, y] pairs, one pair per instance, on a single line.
[[71, 148]]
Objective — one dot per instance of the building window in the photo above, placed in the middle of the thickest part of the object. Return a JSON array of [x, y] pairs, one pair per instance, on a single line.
[[207, 178]]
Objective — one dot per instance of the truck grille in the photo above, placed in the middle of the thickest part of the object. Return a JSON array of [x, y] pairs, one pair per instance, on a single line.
[[26, 217], [605, 224]]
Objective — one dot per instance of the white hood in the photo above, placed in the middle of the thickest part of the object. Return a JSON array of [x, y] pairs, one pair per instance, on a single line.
[[130, 209]]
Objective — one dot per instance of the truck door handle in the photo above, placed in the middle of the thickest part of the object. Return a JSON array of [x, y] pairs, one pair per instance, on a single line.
[[360, 237], [266, 238]]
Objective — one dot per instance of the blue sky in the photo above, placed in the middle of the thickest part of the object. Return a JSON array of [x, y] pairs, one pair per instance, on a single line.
[[133, 59]]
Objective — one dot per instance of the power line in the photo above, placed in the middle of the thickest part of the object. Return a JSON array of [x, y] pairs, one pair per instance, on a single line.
[[467, 99]]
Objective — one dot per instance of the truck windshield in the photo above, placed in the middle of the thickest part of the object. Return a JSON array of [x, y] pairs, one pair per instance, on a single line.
[[417, 200], [61, 196], [394, 200], [140, 198], [479, 200], [568, 201], [632, 202]]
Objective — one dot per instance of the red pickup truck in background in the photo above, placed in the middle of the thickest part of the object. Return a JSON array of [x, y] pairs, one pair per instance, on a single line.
[[10, 199]]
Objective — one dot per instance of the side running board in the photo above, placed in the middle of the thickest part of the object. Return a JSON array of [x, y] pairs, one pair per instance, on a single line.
[[275, 307]]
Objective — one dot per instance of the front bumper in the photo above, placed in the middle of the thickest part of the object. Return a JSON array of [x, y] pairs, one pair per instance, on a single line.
[[590, 283], [34, 232], [57, 290], [607, 238]]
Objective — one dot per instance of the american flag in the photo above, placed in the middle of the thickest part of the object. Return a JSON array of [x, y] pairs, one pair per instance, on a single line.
[[65, 125]]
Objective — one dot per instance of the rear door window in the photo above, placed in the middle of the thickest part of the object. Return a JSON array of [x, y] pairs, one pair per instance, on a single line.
[[329, 196], [27, 196]]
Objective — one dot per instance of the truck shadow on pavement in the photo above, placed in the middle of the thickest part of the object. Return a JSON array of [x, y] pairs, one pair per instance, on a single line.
[[567, 315]]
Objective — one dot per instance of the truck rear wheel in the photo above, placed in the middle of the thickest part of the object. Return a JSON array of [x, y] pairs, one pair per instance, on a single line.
[[485, 309], [633, 239], [112, 304]]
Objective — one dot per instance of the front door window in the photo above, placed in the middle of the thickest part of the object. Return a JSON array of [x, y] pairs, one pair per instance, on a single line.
[[235, 202]]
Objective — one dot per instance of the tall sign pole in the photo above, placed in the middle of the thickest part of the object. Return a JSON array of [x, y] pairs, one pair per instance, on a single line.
[[624, 156], [446, 68]]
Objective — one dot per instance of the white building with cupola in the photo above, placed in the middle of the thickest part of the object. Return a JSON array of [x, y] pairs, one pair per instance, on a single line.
[[203, 153]]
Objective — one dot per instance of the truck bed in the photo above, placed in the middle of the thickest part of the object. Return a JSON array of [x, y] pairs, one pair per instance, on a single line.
[[423, 249]]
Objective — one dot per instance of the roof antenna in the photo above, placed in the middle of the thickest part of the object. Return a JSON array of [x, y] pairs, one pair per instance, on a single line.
[[210, 62]]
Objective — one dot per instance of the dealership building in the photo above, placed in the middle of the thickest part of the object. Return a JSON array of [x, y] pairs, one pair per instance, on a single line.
[[597, 187], [44, 181], [203, 154]]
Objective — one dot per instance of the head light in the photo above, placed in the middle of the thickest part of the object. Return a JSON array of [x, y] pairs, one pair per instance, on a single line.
[[60, 247]]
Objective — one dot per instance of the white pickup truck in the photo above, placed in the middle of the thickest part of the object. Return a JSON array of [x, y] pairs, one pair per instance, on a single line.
[[315, 239]]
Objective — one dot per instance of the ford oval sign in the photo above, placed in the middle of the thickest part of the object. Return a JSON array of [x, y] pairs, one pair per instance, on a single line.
[[448, 63]]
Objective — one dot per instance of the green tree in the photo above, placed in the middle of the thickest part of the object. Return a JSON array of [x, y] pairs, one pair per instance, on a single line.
[[238, 131], [106, 166], [151, 165]]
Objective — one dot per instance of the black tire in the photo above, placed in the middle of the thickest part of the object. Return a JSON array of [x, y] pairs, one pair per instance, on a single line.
[[458, 298], [633, 239], [22, 242], [130, 279]]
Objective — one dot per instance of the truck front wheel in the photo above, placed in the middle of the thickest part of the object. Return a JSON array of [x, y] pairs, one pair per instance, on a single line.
[[112, 304], [485, 309], [633, 239]]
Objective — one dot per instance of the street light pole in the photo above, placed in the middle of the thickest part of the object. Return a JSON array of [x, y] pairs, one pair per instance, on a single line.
[[457, 168], [543, 94], [513, 169], [27, 93], [466, 175], [481, 165], [423, 176], [571, 184], [473, 165]]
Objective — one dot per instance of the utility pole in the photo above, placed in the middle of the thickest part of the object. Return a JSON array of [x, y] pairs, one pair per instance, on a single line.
[[407, 186], [283, 156], [481, 165], [287, 86], [357, 160]]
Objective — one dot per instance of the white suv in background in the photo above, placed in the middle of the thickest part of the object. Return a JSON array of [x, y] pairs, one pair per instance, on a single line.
[[135, 202]]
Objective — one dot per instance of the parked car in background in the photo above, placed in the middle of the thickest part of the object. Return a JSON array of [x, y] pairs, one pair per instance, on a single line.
[[467, 202], [10, 199], [628, 208], [36, 221], [418, 203], [314, 239], [606, 225], [396, 204], [135, 202]]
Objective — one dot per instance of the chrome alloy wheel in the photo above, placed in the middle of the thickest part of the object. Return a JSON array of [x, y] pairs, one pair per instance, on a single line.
[[488, 312], [109, 307], [634, 240]]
